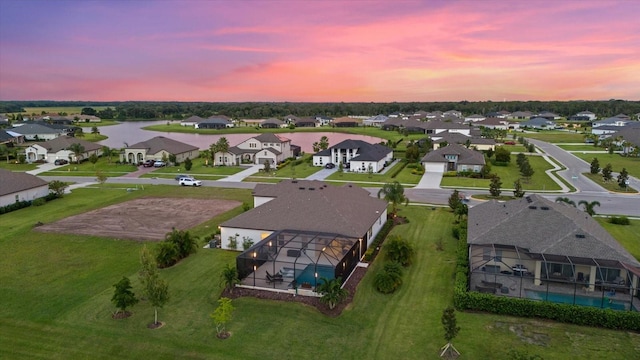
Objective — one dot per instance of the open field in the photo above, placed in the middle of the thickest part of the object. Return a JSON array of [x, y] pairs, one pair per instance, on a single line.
[[141, 219], [56, 291], [553, 137], [617, 162]]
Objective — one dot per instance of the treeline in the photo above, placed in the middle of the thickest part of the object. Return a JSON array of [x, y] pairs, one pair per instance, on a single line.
[[246, 110]]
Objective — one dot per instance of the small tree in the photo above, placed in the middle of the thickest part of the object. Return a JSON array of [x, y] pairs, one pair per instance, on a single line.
[[93, 159], [77, 150], [187, 164], [461, 211], [324, 143], [221, 316], [95, 131], [58, 187], [606, 173], [369, 171], [399, 250], [158, 294], [595, 166], [267, 166], [229, 277], [172, 159], [393, 193], [233, 241], [389, 278], [517, 191], [520, 158], [489, 152], [451, 329], [332, 292], [526, 170], [340, 168], [101, 177], [623, 178], [247, 242], [566, 200], [494, 186], [589, 207], [123, 297], [454, 200], [503, 155]]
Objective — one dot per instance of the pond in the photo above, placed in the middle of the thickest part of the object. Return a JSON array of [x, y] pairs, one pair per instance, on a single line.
[[131, 132]]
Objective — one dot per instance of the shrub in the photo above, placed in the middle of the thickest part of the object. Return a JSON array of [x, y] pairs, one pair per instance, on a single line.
[[42, 201], [372, 250], [619, 220], [395, 173], [15, 206]]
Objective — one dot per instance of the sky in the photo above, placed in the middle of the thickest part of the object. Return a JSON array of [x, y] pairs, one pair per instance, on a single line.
[[319, 51]]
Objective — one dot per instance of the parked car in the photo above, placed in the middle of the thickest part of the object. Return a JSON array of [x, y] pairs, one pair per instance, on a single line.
[[178, 177], [159, 163], [509, 142], [148, 163], [330, 166], [187, 181], [60, 162]]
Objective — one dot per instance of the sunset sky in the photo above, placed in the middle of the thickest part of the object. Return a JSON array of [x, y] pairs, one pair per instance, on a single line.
[[351, 51]]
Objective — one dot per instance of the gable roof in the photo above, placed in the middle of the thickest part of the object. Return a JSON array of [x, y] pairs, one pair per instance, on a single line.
[[465, 156], [64, 142], [630, 134], [537, 121], [271, 138], [193, 119], [13, 182], [518, 223], [158, 143], [273, 121], [366, 151], [31, 129], [313, 206]]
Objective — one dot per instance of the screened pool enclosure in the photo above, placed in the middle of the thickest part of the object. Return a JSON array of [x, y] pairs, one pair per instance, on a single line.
[[513, 271], [294, 261]]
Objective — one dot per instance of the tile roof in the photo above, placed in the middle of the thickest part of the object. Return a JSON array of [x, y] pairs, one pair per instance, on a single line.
[[64, 142], [13, 182], [541, 226], [313, 206], [158, 143]]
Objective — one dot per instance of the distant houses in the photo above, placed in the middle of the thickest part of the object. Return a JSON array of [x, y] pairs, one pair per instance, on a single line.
[[158, 148], [356, 156], [60, 148]]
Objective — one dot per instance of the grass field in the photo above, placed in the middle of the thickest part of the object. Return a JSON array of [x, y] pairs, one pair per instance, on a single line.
[[627, 235], [509, 175], [198, 170], [404, 177], [611, 186], [617, 162], [56, 292], [581, 147], [86, 168], [555, 136], [16, 167]]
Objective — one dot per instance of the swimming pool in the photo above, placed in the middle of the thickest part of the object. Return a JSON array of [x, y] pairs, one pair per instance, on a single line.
[[579, 300], [308, 274]]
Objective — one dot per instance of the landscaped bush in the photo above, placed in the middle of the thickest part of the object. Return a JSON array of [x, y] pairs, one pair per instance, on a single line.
[[389, 279], [450, 174], [395, 173], [15, 206], [463, 299], [372, 250], [39, 202], [619, 220]]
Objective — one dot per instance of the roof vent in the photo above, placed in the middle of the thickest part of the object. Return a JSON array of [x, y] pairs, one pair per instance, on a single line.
[[301, 188], [580, 236], [312, 188], [294, 181], [544, 208], [528, 199], [533, 207]]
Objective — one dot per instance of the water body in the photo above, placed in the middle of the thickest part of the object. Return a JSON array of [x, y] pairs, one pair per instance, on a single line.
[[131, 132]]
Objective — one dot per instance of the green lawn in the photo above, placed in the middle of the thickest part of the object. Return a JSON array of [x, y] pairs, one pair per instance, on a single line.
[[555, 136], [86, 168], [404, 177], [509, 174], [611, 186], [56, 290], [94, 137], [627, 235], [581, 147], [198, 170], [617, 162], [16, 167]]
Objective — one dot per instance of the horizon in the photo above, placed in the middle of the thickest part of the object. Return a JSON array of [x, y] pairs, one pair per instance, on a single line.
[[319, 52]]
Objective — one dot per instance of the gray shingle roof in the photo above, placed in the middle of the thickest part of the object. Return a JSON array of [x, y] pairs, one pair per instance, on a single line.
[[31, 129], [13, 182], [347, 210], [64, 142], [366, 151], [271, 138], [549, 228], [159, 143], [465, 156]]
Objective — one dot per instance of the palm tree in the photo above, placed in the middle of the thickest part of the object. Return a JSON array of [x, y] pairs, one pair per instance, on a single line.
[[108, 153], [399, 250], [77, 150], [332, 292], [589, 206], [566, 200], [393, 193], [230, 277]]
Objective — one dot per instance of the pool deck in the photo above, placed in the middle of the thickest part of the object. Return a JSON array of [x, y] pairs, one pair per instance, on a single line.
[[517, 286]]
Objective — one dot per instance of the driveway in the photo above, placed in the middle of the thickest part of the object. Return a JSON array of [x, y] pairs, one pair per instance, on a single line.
[[321, 174], [43, 168], [238, 177]]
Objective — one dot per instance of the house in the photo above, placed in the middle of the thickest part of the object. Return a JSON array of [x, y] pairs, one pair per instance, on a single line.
[[623, 116], [291, 119], [301, 231], [356, 155], [37, 132], [474, 118], [539, 123], [346, 121], [376, 121], [612, 121], [157, 148], [453, 157], [191, 121], [20, 186], [570, 257], [60, 148], [584, 116], [84, 118], [435, 127], [605, 129], [496, 123], [273, 123], [630, 137], [520, 115], [549, 115], [256, 150], [453, 113], [446, 137], [216, 122], [323, 120], [306, 122], [10, 137]]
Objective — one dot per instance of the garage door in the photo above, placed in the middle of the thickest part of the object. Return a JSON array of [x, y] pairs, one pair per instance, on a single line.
[[262, 160], [434, 167]]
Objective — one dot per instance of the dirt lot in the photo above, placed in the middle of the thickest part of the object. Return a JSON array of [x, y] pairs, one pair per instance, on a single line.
[[141, 219]]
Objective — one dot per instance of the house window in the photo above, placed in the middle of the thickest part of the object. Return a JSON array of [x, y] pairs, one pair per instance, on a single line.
[[486, 255], [220, 158], [17, 198]]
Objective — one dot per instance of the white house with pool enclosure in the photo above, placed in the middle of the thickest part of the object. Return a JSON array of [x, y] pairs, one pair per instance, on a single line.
[[301, 231], [538, 249]]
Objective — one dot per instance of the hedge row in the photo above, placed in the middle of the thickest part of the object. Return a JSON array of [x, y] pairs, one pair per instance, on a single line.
[[372, 251], [463, 299], [397, 171], [23, 204]]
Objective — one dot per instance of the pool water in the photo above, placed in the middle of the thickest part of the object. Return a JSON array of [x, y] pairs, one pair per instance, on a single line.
[[579, 300], [308, 274]]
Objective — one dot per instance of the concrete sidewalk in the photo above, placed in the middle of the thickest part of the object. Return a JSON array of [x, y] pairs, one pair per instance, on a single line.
[[43, 168], [238, 177]]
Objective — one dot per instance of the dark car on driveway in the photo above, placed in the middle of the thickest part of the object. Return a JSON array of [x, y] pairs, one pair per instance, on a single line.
[[330, 166], [60, 162], [148, 163]]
